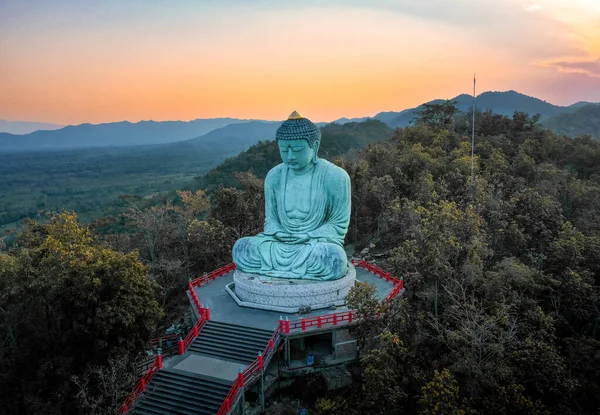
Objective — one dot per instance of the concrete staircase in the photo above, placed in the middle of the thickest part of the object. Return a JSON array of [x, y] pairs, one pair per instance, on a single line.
[[180, 392], [229, 342], [175, 392]]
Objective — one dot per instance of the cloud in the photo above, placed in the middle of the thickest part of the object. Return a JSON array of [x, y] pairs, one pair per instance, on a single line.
[[533, 8], [586, 67]]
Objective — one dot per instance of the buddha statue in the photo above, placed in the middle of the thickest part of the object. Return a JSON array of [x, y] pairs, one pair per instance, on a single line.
[[307, 206]]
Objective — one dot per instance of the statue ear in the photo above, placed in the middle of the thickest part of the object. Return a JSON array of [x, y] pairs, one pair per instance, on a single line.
[[315, 147]]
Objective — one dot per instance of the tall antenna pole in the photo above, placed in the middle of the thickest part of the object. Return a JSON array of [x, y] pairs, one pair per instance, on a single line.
[[473, 135]]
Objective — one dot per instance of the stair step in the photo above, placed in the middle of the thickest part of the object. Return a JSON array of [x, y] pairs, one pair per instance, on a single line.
[[227, 331], [188, 397], [228, 352], [207, 395], [190, 402], [149, 403], [225, 357], [197, 381], [187, 390], [140, 409], [213, 323], [250, 346]]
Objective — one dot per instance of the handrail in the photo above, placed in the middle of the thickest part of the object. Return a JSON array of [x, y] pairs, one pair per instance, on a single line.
[[207, 277], [246, 376], [141, 384], [204, 315], [258, 364], [398, 282], [320, 321], [230, 398]]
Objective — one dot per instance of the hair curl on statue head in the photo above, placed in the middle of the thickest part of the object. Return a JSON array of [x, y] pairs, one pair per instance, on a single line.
[[296, 127]]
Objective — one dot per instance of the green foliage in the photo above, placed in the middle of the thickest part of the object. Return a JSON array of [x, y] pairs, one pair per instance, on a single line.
[[440, 395], [383, 383], [67, 303], [325, 406], [582, 121], [362, 298], [437, 115], [501, 268]]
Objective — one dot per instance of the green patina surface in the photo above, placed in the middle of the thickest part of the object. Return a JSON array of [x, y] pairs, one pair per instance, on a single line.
[[307, 202]]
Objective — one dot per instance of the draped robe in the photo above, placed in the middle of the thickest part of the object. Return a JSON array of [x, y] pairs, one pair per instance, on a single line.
[[322, 257]]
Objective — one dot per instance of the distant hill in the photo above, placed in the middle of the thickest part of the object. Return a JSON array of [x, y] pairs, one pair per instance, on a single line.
[[92, 179], [337, 139], [345, 120], [25, 127], [229, 140], [584, 120], [505, 103], [117, 134]]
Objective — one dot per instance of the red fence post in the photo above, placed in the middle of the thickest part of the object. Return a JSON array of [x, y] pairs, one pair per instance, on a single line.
[[227, 405], [271, 344], [335, 319], [195, 330], [281, 325], [159, 360], [350, 316], [303, 324], [319, 322], [180, 347], [287, 325], [241, 378], [260, 360], [142, 384]]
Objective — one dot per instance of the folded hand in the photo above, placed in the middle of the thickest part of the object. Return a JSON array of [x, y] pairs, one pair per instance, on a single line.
[[292, 239]]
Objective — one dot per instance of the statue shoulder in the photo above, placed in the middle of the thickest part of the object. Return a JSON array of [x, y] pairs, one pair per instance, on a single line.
[[274, 174], [335, 173]]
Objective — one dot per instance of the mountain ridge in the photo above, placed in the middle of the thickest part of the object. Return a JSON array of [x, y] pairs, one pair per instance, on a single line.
[[149, 132], [500, 102], [117, 134]]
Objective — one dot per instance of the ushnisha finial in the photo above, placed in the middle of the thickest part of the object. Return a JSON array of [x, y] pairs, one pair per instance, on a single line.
[[295, 116]]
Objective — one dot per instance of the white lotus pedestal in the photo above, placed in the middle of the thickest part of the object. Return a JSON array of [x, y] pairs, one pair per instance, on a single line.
[[289, 295]]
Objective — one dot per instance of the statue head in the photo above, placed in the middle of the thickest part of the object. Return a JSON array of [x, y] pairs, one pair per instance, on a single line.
[[298, 139]]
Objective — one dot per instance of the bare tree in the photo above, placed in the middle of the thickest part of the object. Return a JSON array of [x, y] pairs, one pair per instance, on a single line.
[[102, 389]]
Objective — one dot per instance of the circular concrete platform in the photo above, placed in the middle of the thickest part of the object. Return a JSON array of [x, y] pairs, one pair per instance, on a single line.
[[289, 295]]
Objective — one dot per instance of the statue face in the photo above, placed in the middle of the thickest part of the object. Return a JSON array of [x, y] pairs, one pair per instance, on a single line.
[[296, 154]]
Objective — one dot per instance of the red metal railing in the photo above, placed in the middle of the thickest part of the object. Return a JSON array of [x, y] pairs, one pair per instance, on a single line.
[[319, 321], [182, 344], [285, 326], [252, 369], [398, 282], [213, 275], [141, 384]]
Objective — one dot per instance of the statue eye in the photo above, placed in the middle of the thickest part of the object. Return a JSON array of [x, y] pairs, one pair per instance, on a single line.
[[283, 149], [297, 149]]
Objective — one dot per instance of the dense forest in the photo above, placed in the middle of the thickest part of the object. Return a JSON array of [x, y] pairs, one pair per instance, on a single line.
[[501, 261], [584, 120]]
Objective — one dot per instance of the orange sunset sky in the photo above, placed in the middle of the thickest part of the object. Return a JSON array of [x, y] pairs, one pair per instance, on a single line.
[[75, 61]]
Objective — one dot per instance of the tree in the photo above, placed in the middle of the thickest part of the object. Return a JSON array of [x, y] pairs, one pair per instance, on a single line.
[[67, 303], [437, 115], [440, 396]]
